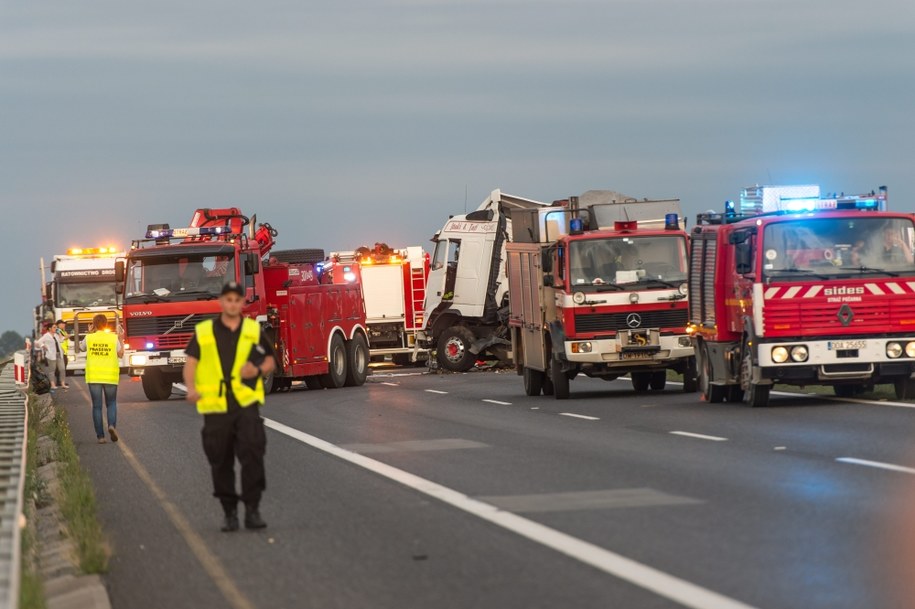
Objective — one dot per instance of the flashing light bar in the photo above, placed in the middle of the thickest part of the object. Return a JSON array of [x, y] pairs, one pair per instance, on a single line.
[[168, 233], [393, 259], [91, 251]]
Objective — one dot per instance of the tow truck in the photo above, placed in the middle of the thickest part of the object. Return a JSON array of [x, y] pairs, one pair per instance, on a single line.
[[803, 290], [172, 280], [394, 289], [82, 285], [599, 290]]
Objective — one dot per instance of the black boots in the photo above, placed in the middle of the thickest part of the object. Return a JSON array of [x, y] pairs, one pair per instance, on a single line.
[[230, 523], [253, 518]]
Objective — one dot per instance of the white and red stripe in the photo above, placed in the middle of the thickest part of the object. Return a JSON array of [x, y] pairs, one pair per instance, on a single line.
[[812, 291]]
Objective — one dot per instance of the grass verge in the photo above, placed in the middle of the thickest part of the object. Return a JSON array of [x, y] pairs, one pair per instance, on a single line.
[[77, 501]]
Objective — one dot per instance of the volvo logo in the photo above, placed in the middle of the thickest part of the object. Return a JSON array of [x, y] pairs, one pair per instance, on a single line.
[[140, 313], [633, 320]]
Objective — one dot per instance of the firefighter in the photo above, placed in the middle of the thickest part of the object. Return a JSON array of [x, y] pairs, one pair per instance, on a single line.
[[227, 360], [103, 371]]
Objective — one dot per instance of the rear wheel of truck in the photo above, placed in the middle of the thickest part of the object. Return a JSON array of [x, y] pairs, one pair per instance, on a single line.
[[757, 396], [270, 384], [357, 361], [708, 392], [658, 380], [533, 381], [453, 352], [734, 393], [690, 382], [640, 380], [336, 364], [905, 388], [560, 381], [156, 385]]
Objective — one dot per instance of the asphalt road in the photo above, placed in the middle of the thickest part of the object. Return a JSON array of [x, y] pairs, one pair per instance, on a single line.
[[604, 504]]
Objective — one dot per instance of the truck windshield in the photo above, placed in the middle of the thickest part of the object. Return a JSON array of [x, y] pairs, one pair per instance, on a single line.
[[89, 294], [839, 247], [179, 277], [659, 260]]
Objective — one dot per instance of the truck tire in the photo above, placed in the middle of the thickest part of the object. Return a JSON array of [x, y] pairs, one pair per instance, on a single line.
[[357, 361], [847, 391], [560, 381], [905, 388], [640, 380], [313, 383], [402, 359], [733, 393], [548, 388], [708, 392], [757, 396], [533, 381], [156, 385], [336, 364], [453, 350], [690, 382], [299, 256], [658, 380], [270, 384]]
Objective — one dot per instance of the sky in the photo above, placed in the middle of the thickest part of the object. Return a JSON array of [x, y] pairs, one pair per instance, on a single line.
[[346, 123]]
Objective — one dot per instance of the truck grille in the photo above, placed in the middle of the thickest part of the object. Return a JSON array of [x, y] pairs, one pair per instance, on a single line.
[[877, 315], [612, 322], [157, 326]]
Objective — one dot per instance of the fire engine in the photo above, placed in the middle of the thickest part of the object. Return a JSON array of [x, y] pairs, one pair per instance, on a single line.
[[599, 290], [809, 290], [172, 281], [82, 285], [394, 289]]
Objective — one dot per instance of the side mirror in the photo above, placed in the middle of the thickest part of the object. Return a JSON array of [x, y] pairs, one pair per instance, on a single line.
[[251, 263], [743, 258], [119, 271]]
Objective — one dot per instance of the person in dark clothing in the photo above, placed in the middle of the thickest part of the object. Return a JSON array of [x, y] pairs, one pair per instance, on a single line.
[[227, 360]]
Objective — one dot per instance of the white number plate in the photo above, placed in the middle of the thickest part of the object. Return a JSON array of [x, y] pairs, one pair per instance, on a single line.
[[842, 345], [636, 355], [178, 359]]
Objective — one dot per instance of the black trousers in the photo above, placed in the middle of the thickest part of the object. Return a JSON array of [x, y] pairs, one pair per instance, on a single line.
[[238, 433]]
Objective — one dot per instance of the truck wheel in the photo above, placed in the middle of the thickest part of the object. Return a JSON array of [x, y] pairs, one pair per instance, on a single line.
[[533, 381], [690, 382], [313, 383], [905, 388], [402, 359], [560, 381], [270, 384], [708, 392], [847, 391], [548, 388], [156, 385], [453, 352], [658, 380], [640, 380], [357, 361], [734, 393], [336, 364], [757, 396]]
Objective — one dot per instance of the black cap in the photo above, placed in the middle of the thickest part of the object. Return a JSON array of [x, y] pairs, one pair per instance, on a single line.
[[58, 322], [233, 287]]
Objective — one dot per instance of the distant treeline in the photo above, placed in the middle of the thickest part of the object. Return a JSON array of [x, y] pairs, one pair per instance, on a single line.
[[11, 342]]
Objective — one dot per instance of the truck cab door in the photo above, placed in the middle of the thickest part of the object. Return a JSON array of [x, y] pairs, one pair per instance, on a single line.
[[471, 274]]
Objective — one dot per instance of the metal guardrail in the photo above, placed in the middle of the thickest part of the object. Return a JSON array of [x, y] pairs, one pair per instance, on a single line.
[[13, 436]]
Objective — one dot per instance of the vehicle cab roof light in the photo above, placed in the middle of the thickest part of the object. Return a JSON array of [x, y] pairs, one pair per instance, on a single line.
[[625, 226], [91, 251], [162, 231]]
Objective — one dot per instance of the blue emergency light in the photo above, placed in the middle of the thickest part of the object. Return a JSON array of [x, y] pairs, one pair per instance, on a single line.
[[671, 222], [162, 231], [576, 226]]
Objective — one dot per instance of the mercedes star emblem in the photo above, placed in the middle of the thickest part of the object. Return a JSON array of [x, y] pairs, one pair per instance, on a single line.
[[633, 320]]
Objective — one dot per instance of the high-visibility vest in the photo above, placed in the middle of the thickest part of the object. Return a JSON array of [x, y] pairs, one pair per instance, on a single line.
[[102, 364], [208, 378], [64, 344]]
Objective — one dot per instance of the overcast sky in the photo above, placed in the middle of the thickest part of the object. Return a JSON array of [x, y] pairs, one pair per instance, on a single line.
[[345, 123]]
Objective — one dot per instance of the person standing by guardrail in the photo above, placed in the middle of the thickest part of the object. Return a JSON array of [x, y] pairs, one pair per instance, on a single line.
[[50, 349], [227, 360], [60, 333], [103, 372]]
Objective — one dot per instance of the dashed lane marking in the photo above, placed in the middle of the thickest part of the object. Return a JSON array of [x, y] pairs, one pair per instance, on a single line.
[[644, 576], [391, 384], [498, 402], [579, 416], [878, 464], [213, 567], [700, 436], [436, 391]]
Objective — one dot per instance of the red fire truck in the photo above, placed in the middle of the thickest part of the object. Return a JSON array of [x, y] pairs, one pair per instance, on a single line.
[[173, 280], [393, 288], [600, 291], [816, 291]]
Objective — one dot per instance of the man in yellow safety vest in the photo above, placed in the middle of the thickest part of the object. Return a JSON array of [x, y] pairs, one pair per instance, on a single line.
[[227, 360], [103, 371]]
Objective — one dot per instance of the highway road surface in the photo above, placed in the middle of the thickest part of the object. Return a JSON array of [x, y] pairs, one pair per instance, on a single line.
[[440, 491]]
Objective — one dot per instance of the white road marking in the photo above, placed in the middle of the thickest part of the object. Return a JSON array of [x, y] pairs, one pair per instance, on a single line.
[[699, 435], [535, 408], [498, 403], [877, 464], [436, 391], [579, 416], [780, 448], [391, 384], [649, 578]]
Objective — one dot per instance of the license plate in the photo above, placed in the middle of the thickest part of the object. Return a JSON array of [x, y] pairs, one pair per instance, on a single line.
[[178, 359], [843, 345], [636, 355]]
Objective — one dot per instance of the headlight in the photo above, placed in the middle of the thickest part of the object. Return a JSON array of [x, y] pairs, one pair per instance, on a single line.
[[893, 350], [578, 298], [779, 355], [799, 353], [581, 347], [683, 289], [910, 349], [138, 360]]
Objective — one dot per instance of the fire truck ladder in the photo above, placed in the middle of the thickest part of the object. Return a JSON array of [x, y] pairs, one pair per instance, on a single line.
[[417, 291]]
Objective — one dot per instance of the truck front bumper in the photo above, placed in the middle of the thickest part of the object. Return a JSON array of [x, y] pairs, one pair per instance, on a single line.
[[836, 360], [614, 352], [169, 361]]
